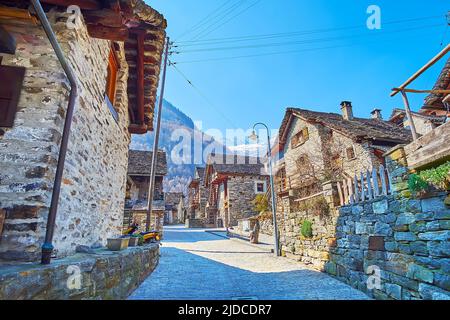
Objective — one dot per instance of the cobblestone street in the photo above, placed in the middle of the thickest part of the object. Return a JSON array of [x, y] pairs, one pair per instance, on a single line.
[[198, 265]]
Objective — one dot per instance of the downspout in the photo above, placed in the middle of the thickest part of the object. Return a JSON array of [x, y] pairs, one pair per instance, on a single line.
[[47, 247]]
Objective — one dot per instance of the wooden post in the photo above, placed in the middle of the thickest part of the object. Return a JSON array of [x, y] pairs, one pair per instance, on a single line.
[[355, 182], [409, 114], [346, 200], [350, 191], [363, 190], [376, 189], [341, 196], [383, 180], [369, 186]]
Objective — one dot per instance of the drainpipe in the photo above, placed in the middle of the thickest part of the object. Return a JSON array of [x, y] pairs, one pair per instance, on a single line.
[[47, 247]]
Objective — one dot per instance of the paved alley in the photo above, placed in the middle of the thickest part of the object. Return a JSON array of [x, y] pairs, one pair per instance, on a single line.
[[198, 265]]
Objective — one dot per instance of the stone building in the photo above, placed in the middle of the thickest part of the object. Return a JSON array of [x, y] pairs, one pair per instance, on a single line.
[[172, 201], [197, 195], [232, 183], [138, 182], [315, 151], [115, 52], [424, 123]]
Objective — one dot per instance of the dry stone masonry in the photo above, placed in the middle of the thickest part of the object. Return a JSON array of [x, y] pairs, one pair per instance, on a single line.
[[93, 187], [406, 239]]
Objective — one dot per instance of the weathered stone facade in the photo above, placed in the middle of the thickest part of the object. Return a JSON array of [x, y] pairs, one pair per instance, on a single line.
[[241, 193], [102, 276], [407, 240], [97, 153]]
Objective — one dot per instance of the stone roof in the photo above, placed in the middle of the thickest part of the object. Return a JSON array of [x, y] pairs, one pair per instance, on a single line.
[[357, 128], [434, 101], [139, 163], [235, 164], [143, 31], [438, 120]]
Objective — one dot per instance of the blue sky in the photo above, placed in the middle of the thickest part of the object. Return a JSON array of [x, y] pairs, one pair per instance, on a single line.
[[361, 66]]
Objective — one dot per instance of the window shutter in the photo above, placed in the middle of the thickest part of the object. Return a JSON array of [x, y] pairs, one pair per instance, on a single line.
[[12, 80], [305, 134]]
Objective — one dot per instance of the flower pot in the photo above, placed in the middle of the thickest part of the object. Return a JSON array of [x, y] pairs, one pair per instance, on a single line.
[[133, 242], [118, 244]]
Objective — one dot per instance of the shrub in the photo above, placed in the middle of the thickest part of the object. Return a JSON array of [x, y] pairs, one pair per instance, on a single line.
[[423, 181], [307, 229], [261, 203]]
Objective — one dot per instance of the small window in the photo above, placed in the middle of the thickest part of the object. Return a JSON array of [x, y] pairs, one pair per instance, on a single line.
[[111, 83], [300, 138], [351, 153], [260, 187]]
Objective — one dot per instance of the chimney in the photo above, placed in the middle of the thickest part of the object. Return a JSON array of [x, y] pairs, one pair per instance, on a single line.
[[347, 110], [376, 114]]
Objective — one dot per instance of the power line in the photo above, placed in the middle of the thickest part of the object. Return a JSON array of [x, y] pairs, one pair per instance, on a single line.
[[307, 41], [289, 34], [199, 92], [266, 54], [234, 17], [220, 17], [206, 19]]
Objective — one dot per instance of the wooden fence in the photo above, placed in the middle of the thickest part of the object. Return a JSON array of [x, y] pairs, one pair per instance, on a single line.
[[365, 186]]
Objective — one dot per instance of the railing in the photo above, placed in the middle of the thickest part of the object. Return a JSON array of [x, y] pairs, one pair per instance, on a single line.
[[365, 186]]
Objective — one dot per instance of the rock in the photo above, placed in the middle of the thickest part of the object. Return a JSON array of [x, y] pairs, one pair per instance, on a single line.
[[405, 236], [433, 226], [443, 215], [420, 273], [414, 206], [383, 229], [441, 296], [360, 228], [435, 236], [442, 281], [438, 249], [429, 292], [418, 227], [380, 207], [391, 246], [394, 291], [85, 249], [433, 205], [357, 210], [419, 247], [405, 218]]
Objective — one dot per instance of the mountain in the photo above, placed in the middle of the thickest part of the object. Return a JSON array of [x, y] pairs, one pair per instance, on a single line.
[[180, 139]]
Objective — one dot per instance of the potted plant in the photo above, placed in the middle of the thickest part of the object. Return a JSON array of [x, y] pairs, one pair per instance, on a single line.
[[118, 244]]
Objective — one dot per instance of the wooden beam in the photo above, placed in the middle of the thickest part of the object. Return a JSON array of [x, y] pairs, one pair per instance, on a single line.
[[438, 57], [108, 33], [424, 91], [105, 17], [7, 42], [83, 4], [16, 13], [140, 77]]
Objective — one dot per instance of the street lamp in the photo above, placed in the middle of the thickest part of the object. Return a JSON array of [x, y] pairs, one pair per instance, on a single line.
[[255, 137]]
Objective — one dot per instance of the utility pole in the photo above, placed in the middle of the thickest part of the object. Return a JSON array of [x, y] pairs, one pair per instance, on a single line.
[[151, 187]]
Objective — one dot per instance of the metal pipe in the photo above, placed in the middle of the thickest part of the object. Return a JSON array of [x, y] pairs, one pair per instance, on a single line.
[[151, 186], [272, 190], [47, 247]]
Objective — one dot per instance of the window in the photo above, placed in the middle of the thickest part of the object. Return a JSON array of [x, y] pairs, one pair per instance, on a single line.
[[111, 82], [10, 93], [260, 187], [300, 138], [351, 153]]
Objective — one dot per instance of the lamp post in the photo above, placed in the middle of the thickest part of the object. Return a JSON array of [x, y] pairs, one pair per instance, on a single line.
[[255, 137]]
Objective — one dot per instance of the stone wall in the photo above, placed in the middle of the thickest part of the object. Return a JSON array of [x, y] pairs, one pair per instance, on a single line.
[[103, 275], [241, 193], [94, 179], [405, 239]]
